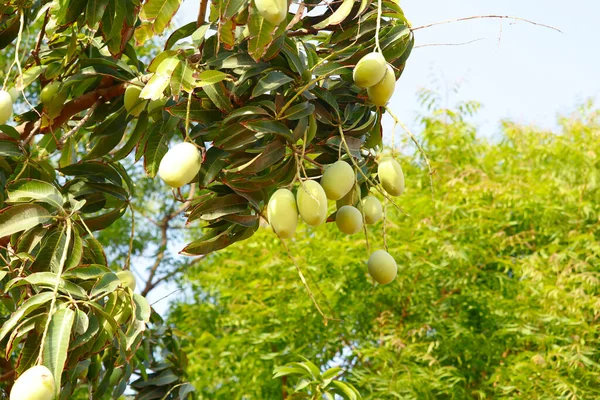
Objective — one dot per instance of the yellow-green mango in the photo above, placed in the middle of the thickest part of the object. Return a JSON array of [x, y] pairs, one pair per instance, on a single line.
[[382, 267], [6, 106], [283, 213], [49, 91], [274, 11], [382, 92], [351, 198], [36, 383], [370, 70], [391, 176], [349, 220], [180, 165], [337, 180], [372, 209], [133, 104], [312, 203]]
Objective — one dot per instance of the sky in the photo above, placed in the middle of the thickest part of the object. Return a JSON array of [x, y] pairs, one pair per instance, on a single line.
[[516, 70]]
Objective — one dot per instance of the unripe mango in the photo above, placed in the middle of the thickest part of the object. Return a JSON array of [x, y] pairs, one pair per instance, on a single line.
[[337, 180], [283, 213], [133, 104], [382, 267], [349, 220], [372, 210], [37, 383], [370, 70], [391, 176], [274, 11], [6, 106], [48, 92], [180, 165], [312, 203], [55, 106], [14, 94], [351, 198], [382, 92], [127, 279]]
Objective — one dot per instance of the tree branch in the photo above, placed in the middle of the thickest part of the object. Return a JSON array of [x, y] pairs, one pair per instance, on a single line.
[[486, 17], [77, 127], [202, 13]]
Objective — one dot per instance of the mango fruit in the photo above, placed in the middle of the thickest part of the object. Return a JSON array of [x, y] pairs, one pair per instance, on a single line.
[[180, 165], [382, 92], [370, 70], [351, 198], [391, 176], [312, 203], [127, 279], [283, 213], [274, 11], [382, 267], [133, 104], [49, 92], [337, 180], [372, 209], [349, 220], [6, 106], [36, 383]]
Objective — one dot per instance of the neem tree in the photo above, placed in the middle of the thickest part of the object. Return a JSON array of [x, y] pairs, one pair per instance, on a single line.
[[259, 101]]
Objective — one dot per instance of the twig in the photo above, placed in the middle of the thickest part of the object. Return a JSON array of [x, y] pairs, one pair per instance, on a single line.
[[164, 297], [78, 126], [416, 142], [297, 17], [485, 17], [36, 52], [326, 319], [448, 44]]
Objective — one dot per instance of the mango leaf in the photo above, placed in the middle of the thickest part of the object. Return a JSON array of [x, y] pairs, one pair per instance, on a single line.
[[346, 390], [107, 284], [48, 258], [231, 7], [338, 16], [210, 77], [219, 206], [26, 190], [219, 95], [182, 79], [156, 148], [57, 343], [272, 154], [261, 34], [269, 126], [10, 131], [180, 33], [197, 113], [22, 217], [213, 163], [9, 149], [299, 111], [142, 308], [159, 12], [218, 240], [105, 220], [270, 82], [94, 11], [27, 307], [29, 76]]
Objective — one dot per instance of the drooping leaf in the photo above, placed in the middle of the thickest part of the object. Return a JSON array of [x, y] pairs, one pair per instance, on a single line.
[[22, 217], [57, 343]]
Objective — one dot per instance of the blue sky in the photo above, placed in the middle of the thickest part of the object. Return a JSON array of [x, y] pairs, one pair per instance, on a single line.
[[518, 71]]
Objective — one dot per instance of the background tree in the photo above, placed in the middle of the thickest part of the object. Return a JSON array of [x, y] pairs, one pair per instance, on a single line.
[[268, 100], [496, 295]]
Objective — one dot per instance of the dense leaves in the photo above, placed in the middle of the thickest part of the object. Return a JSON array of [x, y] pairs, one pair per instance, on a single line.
[[496, 294]]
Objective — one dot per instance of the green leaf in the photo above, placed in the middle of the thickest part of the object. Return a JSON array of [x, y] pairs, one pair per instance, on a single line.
[[155, 150], [51, 252], [180, 33], [142, 308], [272, 154], [57, 343], [269, 126], [338, 16], [160, 12], [219, 95], [346, 390], [218, 207], [22, 217], [261, 34], [140, 127], [214, 241], [213, 163], [299, 111], [182, 79], [9, 149], [105, 220], [29, 76], [10, 131], [286, 371], [107, 284], [197, 113], [27, 190], [27, 307], [94, 11], [210, 77], [270, 82]]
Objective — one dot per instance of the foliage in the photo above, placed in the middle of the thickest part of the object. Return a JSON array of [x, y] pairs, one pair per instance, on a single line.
[[496, 294], [264, 103]]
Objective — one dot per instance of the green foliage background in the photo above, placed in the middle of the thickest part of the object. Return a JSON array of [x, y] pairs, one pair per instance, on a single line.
[[496, 296]]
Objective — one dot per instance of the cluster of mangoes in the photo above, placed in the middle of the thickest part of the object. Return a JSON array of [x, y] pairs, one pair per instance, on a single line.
[[339, 183], [375, 74]]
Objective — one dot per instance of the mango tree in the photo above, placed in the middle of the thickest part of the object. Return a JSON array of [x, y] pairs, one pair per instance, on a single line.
[[254, 98]]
